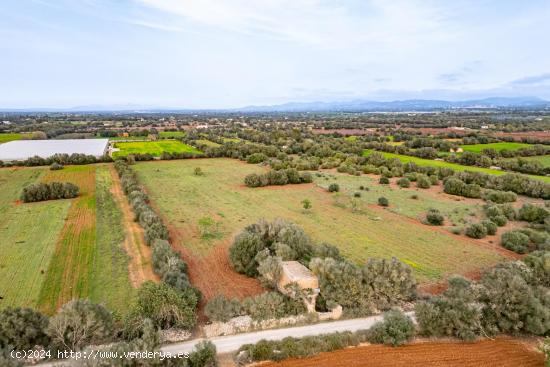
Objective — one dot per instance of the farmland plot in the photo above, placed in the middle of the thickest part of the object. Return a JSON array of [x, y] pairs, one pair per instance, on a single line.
[[29, 233], [155, 148], [88, 261], [500, 352], [205, 212]]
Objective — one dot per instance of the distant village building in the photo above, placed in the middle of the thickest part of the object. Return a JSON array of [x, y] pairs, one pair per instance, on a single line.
[[456, 150], [294, 273]]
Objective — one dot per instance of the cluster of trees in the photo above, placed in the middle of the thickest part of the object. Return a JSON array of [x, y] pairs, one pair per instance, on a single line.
[[511, 298], [62, 159], [144, 214], [173, 302], [49, 191], [260, 243], [525, 240], [377, 285], [81, 324], [266, 306], [395, 329], [278, 177]]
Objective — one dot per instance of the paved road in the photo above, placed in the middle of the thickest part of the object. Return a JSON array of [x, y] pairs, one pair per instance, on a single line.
[[232, 343]]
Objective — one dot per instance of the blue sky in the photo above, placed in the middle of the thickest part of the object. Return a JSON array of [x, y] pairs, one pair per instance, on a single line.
[[229, 53]]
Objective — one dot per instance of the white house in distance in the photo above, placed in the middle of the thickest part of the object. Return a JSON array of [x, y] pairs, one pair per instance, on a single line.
[[19, 150]]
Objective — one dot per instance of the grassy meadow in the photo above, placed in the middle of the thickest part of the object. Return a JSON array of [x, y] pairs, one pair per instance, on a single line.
[[6, 137], [61, 249], [171, 134], [478, 148], [207, 211], [543, 159], [455, 166], [155, 148]]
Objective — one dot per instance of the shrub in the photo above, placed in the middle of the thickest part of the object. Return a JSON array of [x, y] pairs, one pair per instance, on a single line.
[[222, 309], [55, 166], [357, 194], [49, 191], [499, 220], [333, 187], [510, 304], [22, 328], [265, 239], [380, 283], [382, 201], [434, 217], [384, 180], [79, 323], [203, 355], [166, 306], [452, 314], [256, 158], [533, 213], [277, 178], [500, 197], [243, 251], [396, 329], [414, 196], [515, 241], [404, 182], [255, 180], [198, 171], [539, 263], [476, 230], [423, 182], [490, 227]]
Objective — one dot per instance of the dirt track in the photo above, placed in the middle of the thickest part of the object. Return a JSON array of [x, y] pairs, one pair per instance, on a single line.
[[139, 267], [500, 352]]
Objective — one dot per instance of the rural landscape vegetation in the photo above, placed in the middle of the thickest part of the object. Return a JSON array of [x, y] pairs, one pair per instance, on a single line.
[[285, 184]]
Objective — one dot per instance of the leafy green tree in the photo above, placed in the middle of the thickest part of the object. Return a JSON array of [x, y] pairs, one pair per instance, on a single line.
[[166, 306], [22, 328], [222, 309], [396, 329]]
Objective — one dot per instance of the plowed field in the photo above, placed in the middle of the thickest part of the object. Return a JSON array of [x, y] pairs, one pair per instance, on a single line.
[[487, 353]]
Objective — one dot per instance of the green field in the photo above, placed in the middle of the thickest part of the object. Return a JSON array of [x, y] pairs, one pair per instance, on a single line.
[[208, 143], [220, 197], [543, 159], [456, 212], [29, 234], [155, 148], [57, 250], [171, 134], [5, 137], [478, 148], [455, 166]]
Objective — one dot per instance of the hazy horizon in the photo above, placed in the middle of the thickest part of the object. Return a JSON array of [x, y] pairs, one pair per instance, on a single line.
[[237, 53]]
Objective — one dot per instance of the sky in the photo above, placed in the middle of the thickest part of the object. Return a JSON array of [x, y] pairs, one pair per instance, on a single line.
[[235, 53]]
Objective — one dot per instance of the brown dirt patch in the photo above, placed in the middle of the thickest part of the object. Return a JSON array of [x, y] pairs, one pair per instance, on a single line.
[[542, 135], [501, 352], [212, 273], [345, 132], [139, 268]]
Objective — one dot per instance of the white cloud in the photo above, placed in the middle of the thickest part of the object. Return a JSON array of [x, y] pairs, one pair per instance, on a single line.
[[398, 23]]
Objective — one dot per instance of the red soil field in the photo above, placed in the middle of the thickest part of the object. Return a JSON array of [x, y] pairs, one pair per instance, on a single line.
[[543, 135], [500, 352], [345, 132]]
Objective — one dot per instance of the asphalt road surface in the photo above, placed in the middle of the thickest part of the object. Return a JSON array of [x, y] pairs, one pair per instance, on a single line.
[[232, 343]]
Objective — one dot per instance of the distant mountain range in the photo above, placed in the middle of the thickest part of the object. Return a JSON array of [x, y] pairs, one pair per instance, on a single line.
[[346, 106], [404, 105]]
